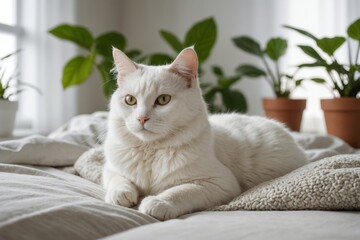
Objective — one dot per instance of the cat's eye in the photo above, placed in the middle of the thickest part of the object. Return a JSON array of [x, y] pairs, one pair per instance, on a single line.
[[163, 99], [130, 100]]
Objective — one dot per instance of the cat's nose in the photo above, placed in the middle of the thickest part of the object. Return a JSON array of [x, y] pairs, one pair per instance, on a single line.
[[143, 119]]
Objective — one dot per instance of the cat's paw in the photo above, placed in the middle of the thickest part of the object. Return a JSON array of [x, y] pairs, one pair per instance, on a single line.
[[122, 197], [158, 208]]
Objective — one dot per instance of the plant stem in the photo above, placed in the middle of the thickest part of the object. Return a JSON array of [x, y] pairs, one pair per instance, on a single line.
[[336, 86], [269, 81], [277, 70], [357, 54], [341, 81], [349, 49], [270, 73]]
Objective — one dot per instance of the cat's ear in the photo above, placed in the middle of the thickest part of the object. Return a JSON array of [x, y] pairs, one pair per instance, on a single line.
[[123, 64], [186, 65]]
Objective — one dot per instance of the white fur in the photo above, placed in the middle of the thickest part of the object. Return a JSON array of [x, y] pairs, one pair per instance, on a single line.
[[181, 161]]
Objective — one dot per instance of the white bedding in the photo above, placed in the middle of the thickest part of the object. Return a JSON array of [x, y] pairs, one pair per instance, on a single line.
[[41, 202], [252, 225], [45, 203]]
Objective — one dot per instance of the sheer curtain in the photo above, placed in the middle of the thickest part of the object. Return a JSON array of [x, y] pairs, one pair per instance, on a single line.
[[42, 59]]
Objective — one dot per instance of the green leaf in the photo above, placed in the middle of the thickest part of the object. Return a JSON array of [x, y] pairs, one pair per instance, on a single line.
[[9, 55], [249, 71], [76, 34], [303, 32], [275, 48], [209, 95], [318, 80], [106, 41], [311, 52], [227, 82], [354, 30], [330, 45], [354, 89], [248, 45], [77, 71], [203, 36], [356, 67], [218, 71], [234, 100], [315, 64], [172, 40], [298, 82], [109, 81], [336, 67], [158, 59]]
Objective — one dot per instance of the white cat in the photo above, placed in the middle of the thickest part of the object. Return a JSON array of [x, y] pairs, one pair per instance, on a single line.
[[166, 155]]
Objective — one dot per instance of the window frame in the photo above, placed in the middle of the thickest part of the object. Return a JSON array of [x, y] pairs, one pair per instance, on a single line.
[[16, 29]]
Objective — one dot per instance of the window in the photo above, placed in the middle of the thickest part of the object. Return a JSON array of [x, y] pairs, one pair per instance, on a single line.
[[24, 26], [9, 33]]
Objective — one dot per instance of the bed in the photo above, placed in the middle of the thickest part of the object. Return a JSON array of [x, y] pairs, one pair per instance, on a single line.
[[42, 196]]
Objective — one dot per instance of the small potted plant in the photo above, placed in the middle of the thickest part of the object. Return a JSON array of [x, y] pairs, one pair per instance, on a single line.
[[9, 88], [342, 113], [282, 108]]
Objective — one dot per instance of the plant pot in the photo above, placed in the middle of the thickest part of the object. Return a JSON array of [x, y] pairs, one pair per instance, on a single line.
[[7, 117], [288, 111], [342, 117]]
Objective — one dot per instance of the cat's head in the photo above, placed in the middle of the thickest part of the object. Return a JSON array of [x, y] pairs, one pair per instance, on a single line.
[[155, 102]]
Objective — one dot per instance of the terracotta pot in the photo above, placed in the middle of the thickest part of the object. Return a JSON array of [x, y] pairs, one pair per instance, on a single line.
[[288, 111], [342, 117], [7, 117]]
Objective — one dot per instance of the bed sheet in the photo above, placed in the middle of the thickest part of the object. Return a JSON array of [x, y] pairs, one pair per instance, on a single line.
[[45, 203], [252, 225]]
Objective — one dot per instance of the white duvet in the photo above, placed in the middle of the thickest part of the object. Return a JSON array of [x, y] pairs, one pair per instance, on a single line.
[[38, 201]]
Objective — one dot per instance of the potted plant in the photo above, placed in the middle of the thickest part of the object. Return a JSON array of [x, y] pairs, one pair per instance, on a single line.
[[231, 100], [282, 108], [9, 88], [342, 113]]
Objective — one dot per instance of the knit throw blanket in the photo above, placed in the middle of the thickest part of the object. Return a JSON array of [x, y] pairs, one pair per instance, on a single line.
[[328, 184]]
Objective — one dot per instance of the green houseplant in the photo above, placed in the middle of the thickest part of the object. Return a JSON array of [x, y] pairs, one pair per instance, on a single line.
[[10, 87], [202, 35], [342, 113], [98, 54], [231, 99], [281, 108]]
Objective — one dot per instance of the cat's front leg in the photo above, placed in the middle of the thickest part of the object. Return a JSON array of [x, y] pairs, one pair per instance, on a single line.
[[119, 190], [186, 198]]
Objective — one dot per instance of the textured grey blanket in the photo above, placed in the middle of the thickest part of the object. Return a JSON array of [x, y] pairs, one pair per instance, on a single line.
[[329, 184], [332, 183]]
